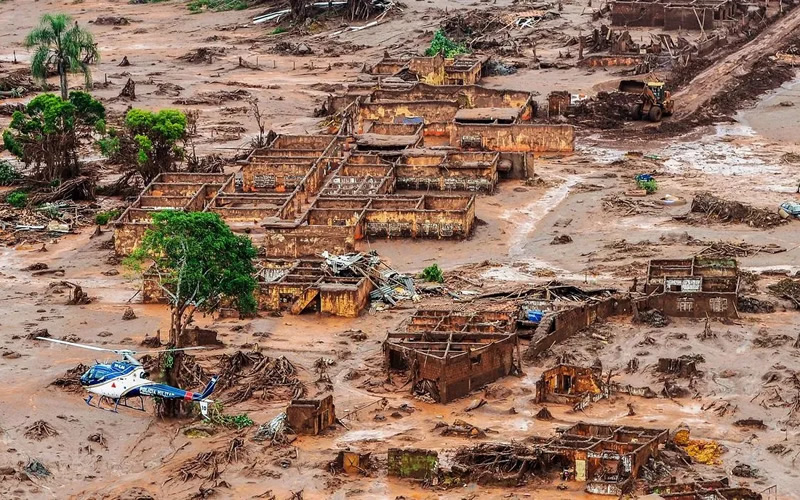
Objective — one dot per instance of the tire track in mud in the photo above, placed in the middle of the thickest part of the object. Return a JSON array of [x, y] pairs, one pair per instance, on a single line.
[[714, 79]]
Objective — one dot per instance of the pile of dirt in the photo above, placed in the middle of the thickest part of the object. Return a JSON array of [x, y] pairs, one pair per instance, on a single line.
[[721, 210], [606, 110], [215, 98], [202, 55], [71, 380]]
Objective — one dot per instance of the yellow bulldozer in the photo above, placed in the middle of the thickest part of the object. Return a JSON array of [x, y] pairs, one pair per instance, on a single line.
[[656, 101]]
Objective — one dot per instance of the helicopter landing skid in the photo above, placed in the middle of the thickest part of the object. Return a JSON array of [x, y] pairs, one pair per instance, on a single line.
[[123, 402]]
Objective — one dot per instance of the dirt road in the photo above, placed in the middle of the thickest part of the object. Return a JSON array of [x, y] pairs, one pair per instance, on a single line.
[[718, 76]]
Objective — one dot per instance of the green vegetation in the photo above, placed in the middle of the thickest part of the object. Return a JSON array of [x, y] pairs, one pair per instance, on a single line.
[[103, 218], [433, 274], [216, 5], [445, 46], [8, 174], [649, 185], [237, 422], [17, 199], [154, 137], [200, 263], [49, 133], [60, 44]]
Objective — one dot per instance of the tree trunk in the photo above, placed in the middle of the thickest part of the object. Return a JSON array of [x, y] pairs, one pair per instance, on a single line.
[[173, 407], [62, 75]]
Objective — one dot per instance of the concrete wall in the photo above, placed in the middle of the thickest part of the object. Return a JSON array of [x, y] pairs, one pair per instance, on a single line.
[[533, 138], [633, 14], [570, 321]]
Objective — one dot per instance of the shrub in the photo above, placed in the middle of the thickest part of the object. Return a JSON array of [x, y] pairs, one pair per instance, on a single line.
[[433, 273], [103, 218], [8, 174], [17, 199], [447, 47]]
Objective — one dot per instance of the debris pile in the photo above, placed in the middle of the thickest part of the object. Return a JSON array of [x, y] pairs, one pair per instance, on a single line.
[[390, 286], [40, 430], [203, 55], [787, 288], [727, 249], [214, 98], [252, 372], [71, 380], [733, 211], [497, 463]]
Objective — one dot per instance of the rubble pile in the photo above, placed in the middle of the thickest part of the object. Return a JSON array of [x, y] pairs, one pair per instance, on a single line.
[[246, 373], [721, 210]]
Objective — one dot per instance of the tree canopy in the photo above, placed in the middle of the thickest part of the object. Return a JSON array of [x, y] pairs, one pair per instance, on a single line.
[[199, 264], [49, 132], [63, 46]]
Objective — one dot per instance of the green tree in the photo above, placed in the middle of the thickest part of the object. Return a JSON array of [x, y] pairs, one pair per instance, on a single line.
[[49, 133], [156, 139], [199, 263], [61, 45]]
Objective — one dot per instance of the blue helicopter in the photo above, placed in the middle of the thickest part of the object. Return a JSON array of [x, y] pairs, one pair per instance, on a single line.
[[118, 381]]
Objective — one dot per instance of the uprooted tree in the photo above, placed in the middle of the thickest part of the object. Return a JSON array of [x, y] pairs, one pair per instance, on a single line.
[[50, 132], [150, 143], [61, 45], [200, 265]]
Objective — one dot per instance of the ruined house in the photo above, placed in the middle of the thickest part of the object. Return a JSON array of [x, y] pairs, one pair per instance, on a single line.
[[719, 489], [567, 384], [433, 70], [311, 416], [673, 14], [449, 354], [694, 288], [607, 458]]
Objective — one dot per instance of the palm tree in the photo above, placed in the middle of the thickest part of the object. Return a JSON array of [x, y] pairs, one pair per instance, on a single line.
[[61, 44]]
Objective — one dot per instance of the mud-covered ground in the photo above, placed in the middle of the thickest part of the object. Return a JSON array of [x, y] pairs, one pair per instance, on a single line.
[[141, 455]]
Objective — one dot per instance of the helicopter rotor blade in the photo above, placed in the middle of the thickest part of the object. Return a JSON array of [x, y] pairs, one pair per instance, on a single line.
[[168, 350], [83, 346]]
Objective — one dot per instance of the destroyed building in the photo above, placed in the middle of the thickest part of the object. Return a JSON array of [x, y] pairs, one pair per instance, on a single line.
[[448, 354], [719, 489], [608, 458], [695, 287], [433, 70], [674, 14], [567, 384], [311, 416]]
